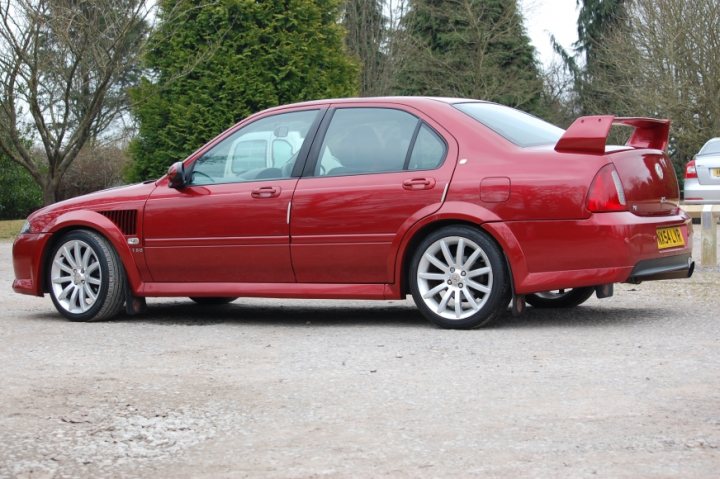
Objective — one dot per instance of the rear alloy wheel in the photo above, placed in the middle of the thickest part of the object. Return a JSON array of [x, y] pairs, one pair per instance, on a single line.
[[86, 277], [458, 278], [212, 301], [560, 298]]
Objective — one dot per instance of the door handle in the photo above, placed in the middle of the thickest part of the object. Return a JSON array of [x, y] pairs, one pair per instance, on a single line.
[[419, 184], [266, 192]]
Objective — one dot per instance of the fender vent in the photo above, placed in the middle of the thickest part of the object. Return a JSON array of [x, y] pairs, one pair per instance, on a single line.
[[126, 220]]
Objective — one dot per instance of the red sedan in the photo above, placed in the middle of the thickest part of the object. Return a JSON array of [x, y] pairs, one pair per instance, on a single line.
[[464, 204]]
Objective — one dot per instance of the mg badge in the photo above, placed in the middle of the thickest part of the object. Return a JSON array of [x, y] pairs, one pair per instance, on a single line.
[[659, 171]]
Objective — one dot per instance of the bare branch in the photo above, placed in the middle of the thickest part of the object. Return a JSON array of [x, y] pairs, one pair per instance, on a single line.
[[64, 70]]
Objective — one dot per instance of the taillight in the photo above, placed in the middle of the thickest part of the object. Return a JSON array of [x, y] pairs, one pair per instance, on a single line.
[[690, 170], [606, 192]]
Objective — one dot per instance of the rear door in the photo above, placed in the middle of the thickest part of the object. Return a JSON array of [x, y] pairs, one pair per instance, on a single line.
[[373, 171]]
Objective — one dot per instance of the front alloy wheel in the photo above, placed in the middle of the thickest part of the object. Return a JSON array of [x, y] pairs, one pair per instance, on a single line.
[[86, 277], [458, 278]]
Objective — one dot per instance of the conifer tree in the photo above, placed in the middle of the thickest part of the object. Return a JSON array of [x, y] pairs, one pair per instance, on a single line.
[[599, 22], [469, 48], [366, 32], [212, 63]]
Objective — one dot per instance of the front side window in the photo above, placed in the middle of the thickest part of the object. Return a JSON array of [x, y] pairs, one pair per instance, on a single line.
[[248, 154], [265, 149], [366, 140]]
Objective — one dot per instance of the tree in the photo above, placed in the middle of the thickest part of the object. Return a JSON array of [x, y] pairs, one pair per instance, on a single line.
[[64, 69], [230, 59], [670, 57], [598, 22], [469, 48], [19, 194], [366, 35]]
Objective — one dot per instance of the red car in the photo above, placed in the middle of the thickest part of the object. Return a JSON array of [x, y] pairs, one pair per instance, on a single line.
[[464, 204]]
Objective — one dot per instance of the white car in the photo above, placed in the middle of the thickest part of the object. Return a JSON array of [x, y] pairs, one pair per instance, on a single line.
[[702, 175]]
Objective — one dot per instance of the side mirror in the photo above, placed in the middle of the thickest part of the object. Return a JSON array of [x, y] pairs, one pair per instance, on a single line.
[[176, 176]]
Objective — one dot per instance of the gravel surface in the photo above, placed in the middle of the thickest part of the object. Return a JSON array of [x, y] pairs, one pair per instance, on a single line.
[[623, 387]]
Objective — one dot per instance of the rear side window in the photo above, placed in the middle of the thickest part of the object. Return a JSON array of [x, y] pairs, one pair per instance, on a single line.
[[377, 140], [515, 126], [366, 140], [428, 151]]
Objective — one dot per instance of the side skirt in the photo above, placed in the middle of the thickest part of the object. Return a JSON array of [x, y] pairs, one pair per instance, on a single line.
[[270, 290]]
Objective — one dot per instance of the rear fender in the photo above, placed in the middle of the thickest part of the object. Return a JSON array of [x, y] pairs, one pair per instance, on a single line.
[[454, 212], [91, 220]]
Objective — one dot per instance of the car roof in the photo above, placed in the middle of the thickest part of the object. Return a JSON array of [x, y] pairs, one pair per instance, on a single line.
[[416, 101]]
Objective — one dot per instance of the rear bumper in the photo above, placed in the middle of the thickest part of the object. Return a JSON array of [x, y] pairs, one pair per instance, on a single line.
[[697, 194], [605, 248], [669, 267], [27, 261]]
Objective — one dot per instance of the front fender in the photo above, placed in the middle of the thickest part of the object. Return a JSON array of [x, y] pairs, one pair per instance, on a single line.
[[92, 220]]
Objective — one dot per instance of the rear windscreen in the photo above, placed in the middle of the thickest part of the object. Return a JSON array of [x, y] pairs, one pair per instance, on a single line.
[[514, 125], [710, 148]]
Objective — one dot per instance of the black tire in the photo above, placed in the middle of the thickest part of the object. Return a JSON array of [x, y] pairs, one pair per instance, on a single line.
[[458, 278], [212, 301], [564, 298], [108, 277]]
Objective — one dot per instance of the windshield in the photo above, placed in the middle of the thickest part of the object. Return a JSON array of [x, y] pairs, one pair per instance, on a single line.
[[712, 147], [514, 125]]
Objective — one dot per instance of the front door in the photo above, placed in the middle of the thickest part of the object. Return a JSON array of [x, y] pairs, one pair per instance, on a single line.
[[230, 224], [373, 171]]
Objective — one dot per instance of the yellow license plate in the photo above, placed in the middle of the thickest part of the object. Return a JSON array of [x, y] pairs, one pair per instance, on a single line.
[[715, 172], [669, 238]]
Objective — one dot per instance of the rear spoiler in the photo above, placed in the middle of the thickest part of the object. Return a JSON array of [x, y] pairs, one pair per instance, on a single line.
[[588, 134]]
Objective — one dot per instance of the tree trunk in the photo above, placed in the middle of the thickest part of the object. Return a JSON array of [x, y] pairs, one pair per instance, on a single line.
[[50, 191]]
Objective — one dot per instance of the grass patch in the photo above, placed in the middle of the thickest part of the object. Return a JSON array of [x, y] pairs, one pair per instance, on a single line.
[[10, 229]]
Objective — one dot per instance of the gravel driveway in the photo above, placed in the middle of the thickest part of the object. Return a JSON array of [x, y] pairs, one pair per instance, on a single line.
[[622, 387]]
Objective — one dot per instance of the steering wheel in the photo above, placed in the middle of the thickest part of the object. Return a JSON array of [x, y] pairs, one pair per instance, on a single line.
[[212, 180]]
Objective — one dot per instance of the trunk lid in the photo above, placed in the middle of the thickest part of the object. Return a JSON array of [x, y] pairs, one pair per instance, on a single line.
[[644, 169], [648, 178], [708, 169]]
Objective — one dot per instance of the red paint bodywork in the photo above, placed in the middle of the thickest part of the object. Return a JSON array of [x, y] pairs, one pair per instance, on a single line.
[[352, 236]]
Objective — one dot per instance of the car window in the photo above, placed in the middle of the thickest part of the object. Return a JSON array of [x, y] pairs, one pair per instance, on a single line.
[[248, 154], [366, 140], [282, 151], [712, 147], [428, 151], [514, 125], [265, 149]]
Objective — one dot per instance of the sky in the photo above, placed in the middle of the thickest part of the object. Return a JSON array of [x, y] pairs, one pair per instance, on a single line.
[[546, 17]]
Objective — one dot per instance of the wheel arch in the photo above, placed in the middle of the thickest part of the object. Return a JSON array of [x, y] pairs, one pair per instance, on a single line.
[[508, 246], [96, 223]]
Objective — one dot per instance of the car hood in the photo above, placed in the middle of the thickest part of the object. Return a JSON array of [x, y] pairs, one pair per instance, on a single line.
[[118, 198]]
